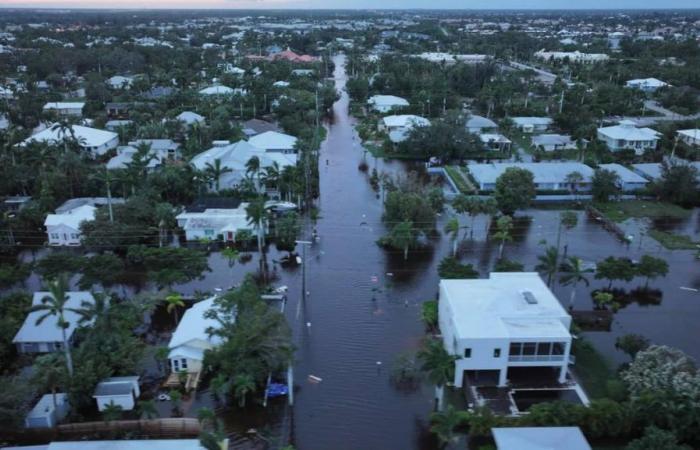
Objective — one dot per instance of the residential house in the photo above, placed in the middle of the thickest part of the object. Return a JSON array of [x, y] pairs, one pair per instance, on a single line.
[[627, 136], [117, 110], [387, 103], [191, 340], [159, 92], [4, 122], [94, 141], [63, 229], [302, 72], [281, 84], [160, 150], [399, 126], [115, 125], [235, 157], [646, 84], [532, 124], [554, 142], [214, 223], [649, 171], [540, 438], [72, 109], [6, 93], [118, 391], [48, 412], [629, 181], [690, 137], [190, 118], [274, 142], [450, 59], [120, 82], [47, 336], [216, 90], [495, 141], [257, 126], [573, 57], [231, 69], [506, 321], [479, 124], [548, 176]]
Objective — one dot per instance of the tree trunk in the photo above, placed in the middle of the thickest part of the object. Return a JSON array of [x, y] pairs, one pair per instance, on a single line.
[[572, 298], [66, 350], [439, 398], [500, 249], [454, 247], [405, 253]]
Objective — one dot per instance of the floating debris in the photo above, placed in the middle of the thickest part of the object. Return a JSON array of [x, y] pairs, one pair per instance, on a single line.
[[315, 379]]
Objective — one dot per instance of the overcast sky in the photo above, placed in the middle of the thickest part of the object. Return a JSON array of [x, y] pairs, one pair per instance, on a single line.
[[330, 4]]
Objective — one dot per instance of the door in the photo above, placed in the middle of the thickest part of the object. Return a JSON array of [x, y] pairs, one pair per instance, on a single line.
[[229, 236]]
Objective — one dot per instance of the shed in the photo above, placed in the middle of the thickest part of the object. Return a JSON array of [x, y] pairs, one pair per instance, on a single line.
[[121, 391], [47, 415]]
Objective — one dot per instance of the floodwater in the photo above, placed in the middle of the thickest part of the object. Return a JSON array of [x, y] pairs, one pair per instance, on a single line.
[[363, 306]]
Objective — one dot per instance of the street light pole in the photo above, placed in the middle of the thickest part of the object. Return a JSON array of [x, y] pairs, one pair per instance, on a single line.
[[303, 268]]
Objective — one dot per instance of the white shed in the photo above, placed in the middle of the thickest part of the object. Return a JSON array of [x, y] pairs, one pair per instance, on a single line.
[[45, 413], [121, 391]]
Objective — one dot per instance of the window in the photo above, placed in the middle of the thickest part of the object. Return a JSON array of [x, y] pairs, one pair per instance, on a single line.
[[544, 348], [183, 363], [516, 349], [467, 353], [529, 348], [209, 232], [74, 236], [57, 346], [54, 235], [558, 348], [496, 352], [176, 365]]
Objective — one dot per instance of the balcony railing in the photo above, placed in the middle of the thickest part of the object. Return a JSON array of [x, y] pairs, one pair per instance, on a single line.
[[536, 358]]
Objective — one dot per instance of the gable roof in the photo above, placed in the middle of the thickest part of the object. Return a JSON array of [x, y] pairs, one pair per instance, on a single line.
[[72, 218], [194, 325], [48, 330], [480, 122], [273, 140], [216, 90], [627, 131], [88, 137]]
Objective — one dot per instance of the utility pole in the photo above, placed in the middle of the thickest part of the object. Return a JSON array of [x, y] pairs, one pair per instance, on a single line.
[[303, 272], [561, 102]]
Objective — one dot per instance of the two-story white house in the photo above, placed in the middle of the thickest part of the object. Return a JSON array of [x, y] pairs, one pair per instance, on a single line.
[[508, 320], [63, 229], [626, 135]]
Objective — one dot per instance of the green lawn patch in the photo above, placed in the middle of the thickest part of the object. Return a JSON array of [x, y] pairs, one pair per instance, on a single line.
[[621, 211], [674, 241], [591, 369], [459, 179]]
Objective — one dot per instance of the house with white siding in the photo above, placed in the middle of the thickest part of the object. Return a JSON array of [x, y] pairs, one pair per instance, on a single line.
[[387, 103], [646, 84], [48, 412], [626, 136], [629, 181], [532, 124], [95, 142], [63, 229], [507, 321], [47, 336], [690, 137], [72, 109], [190, 340], [214, 223], [548, 176]]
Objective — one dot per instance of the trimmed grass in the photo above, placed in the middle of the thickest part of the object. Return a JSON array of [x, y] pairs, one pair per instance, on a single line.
[[621, 211], [591, 369], [458, 177], [674, 241]]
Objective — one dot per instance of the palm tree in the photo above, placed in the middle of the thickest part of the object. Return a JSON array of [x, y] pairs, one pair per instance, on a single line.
[[64, 130], [443, 425], [452, 228], [402, 236], [252, 169], [174, 301], [206, 417], [504, 226], [112, 412], [439, 366], [548, 264], [271, 176], [54, 305], [147, 409], [50, 373], [218, 386], [243, 384], [257, 218], [215, 171], [107, 178], [161, 356], [573, 273]]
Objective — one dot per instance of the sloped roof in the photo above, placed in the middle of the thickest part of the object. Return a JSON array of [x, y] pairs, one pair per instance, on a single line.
[[88, 137], [48, 330], [540, 438], [273, 140], [405, 120], [480, 122], [628, 132], [194, 325], [72, 218], [216, 90]]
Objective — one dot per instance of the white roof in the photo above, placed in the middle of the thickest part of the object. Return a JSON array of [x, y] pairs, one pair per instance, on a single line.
[[520, 121], [131, 444], [44, 407], [193, 327], [405, 120], [480, 122], [88, 137], [72, 218], [216, 219], [543, 172], [646, 82], [496, 307], [651, 170], [216, 90], [189, 117], [626, 175], [64, 105], [493, 137], [281, 83], [692, 133], [387, 100], [628, 132], [552, 139], [48, 330], [236, 155], [125, 155], [273, 140], [540, 438]]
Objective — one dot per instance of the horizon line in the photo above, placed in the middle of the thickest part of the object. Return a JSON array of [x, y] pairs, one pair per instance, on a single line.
[[108, 9]]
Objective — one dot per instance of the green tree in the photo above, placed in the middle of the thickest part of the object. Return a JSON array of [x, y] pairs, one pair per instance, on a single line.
[[112, 412], [605, 184], [574, 273], [257, 218], [651, 267], [678, 183], [507, 265], [174, 301], [429, 314], [176, 401], [214, 172], [444, 423], [655, 439], [451, 269], [515, 189], [243, 385], [402, 237], [147, 409], [632, 344], [612, 269], [50, 374], [504, 227], [548, 263], [54, 305], [288, 228], [452, 229], [438, 365]]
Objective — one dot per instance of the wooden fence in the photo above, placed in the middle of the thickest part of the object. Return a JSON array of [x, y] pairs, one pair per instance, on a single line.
[[154, 428]]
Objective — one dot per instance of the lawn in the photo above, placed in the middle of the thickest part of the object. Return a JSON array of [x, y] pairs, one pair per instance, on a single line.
[[592, 369], [458, 177], [621, 211], [674, 241]]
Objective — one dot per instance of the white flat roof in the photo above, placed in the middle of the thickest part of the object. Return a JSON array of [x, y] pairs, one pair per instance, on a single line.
[[543, 172], [64, 105], [540, 438], [496, 307]]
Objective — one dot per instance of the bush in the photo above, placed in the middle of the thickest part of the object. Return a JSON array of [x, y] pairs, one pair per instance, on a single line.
[[429, 314], [450, 268]]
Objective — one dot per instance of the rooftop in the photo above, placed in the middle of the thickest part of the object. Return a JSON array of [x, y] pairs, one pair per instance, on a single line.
[[508, 304], [48, 330], [540, 438], [194, 325], [625, 174], [552, 172], [88, 137]]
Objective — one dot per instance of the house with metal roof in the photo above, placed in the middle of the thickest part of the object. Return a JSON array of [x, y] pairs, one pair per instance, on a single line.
[[690, 136], [495, 141], [47, 336], [190, 118], [479, 124], [398, 126], [214, 223], [274, 142], [553, 142], [532, 124], [540, 438], [626, 135], [118, 391], [629, 181], [96, 142], [646, 84], [63, 229], [506, 321], [386, 103], [124, 444], [217, 90], [191, 340], [547, 175], [74, 109]]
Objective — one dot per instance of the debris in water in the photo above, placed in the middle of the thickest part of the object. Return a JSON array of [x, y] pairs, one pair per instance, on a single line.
[[315, 379]]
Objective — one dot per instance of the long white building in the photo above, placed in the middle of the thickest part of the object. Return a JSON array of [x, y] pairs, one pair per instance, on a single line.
[[508, 320], [626, 135], [548, 176]]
